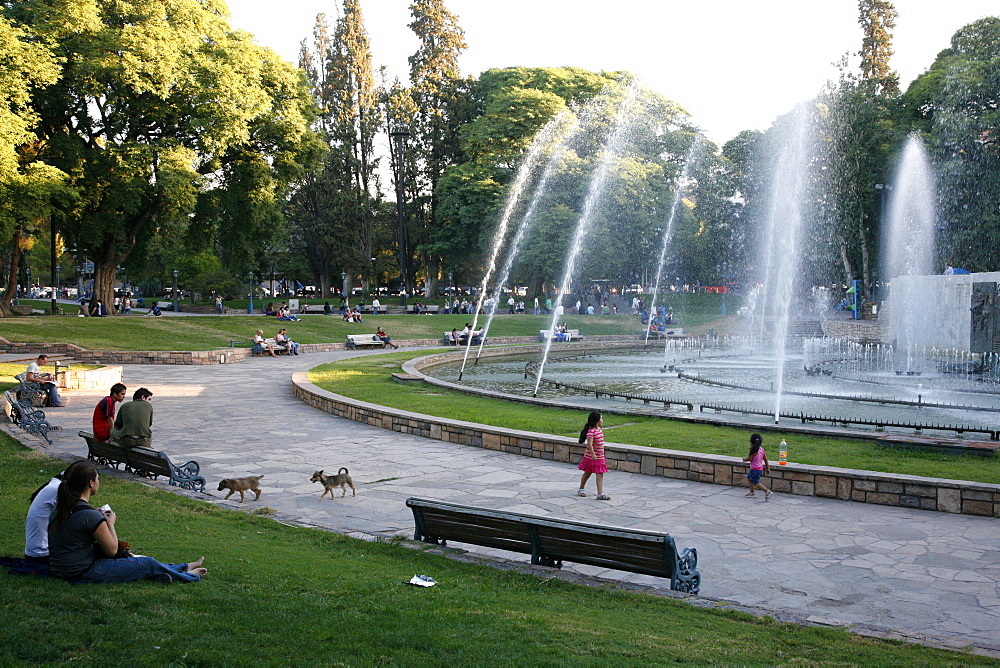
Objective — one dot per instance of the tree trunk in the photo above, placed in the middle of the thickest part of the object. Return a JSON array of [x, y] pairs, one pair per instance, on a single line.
[[15, 257], [324, 283], [431, 268], [866, 273], [104, 283], [845, 260]]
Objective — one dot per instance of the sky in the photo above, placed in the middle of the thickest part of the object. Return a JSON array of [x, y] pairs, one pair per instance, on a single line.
[[732, 64]]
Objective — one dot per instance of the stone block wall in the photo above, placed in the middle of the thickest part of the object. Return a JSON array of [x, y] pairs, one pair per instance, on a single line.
[[950, 496], [90, 379]]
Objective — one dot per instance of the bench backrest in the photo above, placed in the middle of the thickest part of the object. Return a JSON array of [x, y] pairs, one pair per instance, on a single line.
[[551, 541], [144, 459]]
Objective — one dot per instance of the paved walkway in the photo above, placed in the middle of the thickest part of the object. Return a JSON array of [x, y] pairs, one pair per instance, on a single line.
[[837, 562]]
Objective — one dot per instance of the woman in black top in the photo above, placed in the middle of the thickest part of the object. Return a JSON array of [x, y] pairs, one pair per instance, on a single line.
[[83, 544]]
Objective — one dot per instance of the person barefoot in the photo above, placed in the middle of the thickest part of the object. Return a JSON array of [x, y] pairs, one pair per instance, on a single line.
[[196, 568]]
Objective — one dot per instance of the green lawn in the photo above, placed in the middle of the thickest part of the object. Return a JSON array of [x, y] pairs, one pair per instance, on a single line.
[[368, 379], [208, 332], [280, 595]]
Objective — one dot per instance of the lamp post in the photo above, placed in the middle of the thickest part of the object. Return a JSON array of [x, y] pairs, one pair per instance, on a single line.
[[344, 290], [176, 306], [250, 305], [451, 286], [55, 291], [398, 138]]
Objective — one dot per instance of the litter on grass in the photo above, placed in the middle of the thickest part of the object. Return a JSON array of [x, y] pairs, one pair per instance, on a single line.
[[422, 581]]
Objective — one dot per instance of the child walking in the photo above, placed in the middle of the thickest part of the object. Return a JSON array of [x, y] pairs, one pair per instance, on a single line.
[[593, 459], [758, 465]]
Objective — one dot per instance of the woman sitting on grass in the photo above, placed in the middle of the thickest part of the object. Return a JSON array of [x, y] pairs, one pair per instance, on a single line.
[[83, 544]]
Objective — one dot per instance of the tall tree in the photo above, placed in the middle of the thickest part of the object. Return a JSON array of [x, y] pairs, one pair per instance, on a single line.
[[28, 186], [957, 102], [339, 71], [877, 19], [156, 100], [440, 99]]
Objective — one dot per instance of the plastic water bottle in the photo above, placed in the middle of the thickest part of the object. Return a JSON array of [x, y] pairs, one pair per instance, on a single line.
[[782, 453]]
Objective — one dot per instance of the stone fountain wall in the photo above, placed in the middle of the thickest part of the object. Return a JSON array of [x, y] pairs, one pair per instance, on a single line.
[[942, 302]]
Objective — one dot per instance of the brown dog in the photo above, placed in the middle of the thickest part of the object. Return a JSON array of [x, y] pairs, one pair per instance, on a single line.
[[241, 485], [342, 479]]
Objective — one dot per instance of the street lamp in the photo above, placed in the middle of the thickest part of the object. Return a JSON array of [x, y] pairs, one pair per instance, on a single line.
[[176, 306], [250, 306], [55, 291], [343, 285], [398, 138], [451, 286]]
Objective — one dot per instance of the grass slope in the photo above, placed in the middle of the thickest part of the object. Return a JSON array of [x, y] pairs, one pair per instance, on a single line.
[[368, 379], [279, 595]]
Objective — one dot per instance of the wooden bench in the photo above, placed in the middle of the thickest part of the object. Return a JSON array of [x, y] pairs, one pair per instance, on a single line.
[[165, 306], [553, 541], [477, 338], [27, 417], [312, 308], [570, 335], [258, 349], [433, 308], [363, 340], [144, 462]]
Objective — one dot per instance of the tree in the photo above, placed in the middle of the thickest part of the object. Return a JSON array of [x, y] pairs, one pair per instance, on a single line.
[[877, 19], [339, 71], [156, 104], [29, 188], [440, 98], [957, 102]]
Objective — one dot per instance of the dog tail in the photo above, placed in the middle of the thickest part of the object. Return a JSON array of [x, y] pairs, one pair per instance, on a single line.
[[258, 477], [343, 470]]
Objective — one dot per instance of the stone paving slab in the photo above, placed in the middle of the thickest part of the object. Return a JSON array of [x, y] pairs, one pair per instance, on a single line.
[[920, 572]]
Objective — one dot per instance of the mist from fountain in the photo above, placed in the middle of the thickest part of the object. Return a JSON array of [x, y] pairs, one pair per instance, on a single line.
[[598, 185], [571, 127], [908, 247], [787, 195], [543, 140], [682, 184]]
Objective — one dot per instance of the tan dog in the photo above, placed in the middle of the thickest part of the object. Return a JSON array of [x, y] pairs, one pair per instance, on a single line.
[[241, 485], [342, 479]]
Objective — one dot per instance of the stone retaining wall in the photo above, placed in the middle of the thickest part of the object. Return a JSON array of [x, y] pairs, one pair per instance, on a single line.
[[90, 379], [866, 331], [952, 496]]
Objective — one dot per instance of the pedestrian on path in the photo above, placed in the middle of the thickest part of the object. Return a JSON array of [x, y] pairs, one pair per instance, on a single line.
[[593, 459], [758, 465]]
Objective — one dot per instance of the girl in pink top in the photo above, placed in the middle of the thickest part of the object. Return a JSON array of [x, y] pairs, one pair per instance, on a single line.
[[593, 458], [758, 465]]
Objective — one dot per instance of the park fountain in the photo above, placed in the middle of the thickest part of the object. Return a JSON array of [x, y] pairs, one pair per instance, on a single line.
[[555, 129], [598, 184], [679, 190], [571, 129], [908, 250], [792, 154]]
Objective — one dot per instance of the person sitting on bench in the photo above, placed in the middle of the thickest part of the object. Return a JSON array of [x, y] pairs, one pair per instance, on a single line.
[[135, 420], [46, 380]]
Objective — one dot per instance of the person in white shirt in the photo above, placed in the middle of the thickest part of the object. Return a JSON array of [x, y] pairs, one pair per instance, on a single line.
[[538, 308], [36, 524], [376, 305], [46, 380]]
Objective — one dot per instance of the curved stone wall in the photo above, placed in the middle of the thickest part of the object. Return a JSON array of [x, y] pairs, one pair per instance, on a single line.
[[953, 496]]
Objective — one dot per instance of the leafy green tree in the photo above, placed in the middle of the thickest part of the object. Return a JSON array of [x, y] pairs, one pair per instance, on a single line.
[[156, 104], [29, 187], [877, 19], [441, 106], [957, 103]]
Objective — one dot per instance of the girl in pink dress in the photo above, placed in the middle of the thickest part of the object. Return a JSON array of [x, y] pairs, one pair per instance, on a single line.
[[758, 466], [593, 458]]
